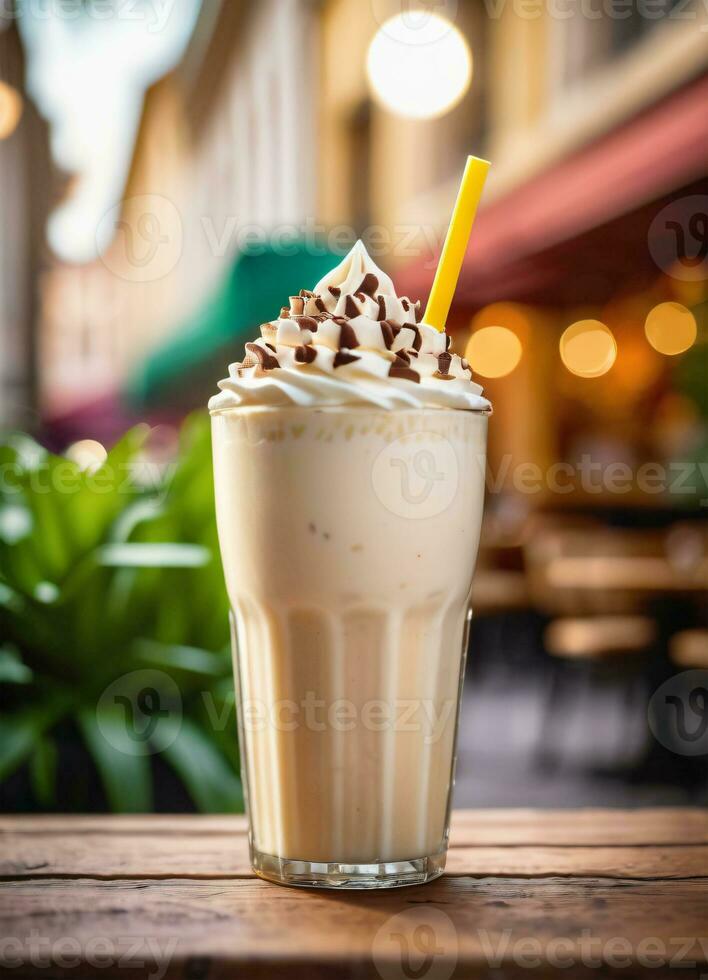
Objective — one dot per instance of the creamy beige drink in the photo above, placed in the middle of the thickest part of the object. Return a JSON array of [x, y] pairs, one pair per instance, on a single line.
[[349, 455]]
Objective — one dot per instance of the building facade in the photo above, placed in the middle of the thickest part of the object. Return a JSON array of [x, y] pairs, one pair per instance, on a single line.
[[267, 128]]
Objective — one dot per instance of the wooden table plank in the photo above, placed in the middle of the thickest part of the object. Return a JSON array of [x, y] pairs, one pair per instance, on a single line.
[[120, 855], [576, 827], [525, 890], [582, 827], [244, 922]]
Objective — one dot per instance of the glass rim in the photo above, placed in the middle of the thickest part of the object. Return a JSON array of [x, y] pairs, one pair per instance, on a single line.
[[361, 407]]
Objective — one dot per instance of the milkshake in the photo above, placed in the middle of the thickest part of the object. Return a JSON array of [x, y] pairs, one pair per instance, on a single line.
[[349, 450]]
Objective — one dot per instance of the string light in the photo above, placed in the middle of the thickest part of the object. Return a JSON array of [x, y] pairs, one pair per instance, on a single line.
[[588, 348], [671, 328], [494, 352]]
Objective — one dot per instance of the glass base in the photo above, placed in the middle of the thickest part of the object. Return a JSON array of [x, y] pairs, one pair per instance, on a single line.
[[311, 874]]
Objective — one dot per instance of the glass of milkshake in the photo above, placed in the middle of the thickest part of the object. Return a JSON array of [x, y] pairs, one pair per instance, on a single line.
[[349, 457]]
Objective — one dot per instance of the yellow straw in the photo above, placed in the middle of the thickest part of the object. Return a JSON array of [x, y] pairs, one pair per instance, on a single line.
[[455, 246]]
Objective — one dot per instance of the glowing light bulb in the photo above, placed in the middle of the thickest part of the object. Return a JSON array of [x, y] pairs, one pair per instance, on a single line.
[[419, 67]]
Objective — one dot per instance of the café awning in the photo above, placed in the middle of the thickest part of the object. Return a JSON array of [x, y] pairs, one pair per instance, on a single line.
[[254, 289], [523, 243]]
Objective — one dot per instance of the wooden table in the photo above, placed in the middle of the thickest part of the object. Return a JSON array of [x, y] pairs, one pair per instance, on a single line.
[[567, 893], [649, 574]]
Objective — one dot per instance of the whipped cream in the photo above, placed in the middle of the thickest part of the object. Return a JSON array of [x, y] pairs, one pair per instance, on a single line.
[[350, 341]]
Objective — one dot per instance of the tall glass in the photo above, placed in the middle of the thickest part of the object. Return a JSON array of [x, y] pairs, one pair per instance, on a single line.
[[349, 538]]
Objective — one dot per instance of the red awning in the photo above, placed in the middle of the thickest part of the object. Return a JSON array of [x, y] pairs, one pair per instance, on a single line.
[[522, 245]]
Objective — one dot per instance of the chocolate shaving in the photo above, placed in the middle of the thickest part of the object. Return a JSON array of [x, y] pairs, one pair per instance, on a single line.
[[335, 291], [403, 357], [350, 308], [305, 354], [382, 307], [387, 334], [271, 347], [319, 303], [265, 360], [306, 323], [444, 362], [448, 341], [369, 284], [347, 335], [341, 358], [405, 304], [417, 339], [418, 312], [307, 293], [403, 372]]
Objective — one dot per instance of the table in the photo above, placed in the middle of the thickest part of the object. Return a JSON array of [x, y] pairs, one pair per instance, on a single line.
[[645, 574], [568, 893]]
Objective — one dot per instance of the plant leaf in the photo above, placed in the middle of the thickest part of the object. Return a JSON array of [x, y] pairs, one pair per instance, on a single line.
[[19, 732], [15, 523], [126, 776], [210, 780], [12, 670], [154, 555], [179, 657], [43, 770], [134, 515]]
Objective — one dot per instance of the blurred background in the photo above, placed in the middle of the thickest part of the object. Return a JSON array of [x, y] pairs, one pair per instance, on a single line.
[[170, 171]]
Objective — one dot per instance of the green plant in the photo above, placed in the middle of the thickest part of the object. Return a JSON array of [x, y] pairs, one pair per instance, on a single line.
[[690, 377], [103, 574]]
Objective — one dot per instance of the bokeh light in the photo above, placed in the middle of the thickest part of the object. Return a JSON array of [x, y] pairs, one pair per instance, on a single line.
[[87, 454], [588, 348], [419, 67], [10, 109], [493, 352], [671, 328], [514, 316]]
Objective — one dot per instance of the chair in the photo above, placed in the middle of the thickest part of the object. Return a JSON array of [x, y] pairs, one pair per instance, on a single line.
[[597, 701]]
